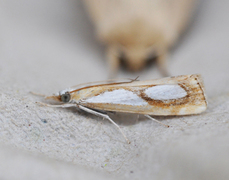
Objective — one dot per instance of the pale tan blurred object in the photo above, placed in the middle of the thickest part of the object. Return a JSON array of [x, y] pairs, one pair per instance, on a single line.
[[139, 29]]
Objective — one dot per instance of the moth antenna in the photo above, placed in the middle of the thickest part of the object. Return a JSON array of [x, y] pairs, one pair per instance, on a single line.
[[37, 94], [132, 80], [136, 79]]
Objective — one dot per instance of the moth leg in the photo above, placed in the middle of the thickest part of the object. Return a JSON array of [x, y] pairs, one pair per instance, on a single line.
[[162, 64], [156, 120], [104, 116], [59, 105], [138, 116], [113, 61]]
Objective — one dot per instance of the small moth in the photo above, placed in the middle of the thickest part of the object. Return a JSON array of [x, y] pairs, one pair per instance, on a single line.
[[180, 95], [138, 30]]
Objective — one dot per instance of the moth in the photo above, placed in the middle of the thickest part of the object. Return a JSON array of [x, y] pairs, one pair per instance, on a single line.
[[180, 95], [136, 31]]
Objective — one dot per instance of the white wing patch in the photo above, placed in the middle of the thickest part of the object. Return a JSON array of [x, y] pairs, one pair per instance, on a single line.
[[165, 92], [120, 96]]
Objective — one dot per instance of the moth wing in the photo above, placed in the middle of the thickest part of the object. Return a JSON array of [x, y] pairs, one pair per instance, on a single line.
[[181, 95]]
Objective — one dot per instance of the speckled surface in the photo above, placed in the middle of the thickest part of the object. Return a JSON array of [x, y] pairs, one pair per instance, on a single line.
[[47, 46]]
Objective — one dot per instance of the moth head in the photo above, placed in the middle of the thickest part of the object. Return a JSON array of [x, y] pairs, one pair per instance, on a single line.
[[63, 96], [66, 97]]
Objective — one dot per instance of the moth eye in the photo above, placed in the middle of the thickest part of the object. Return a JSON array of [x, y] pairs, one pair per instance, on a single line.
[[65, 97]]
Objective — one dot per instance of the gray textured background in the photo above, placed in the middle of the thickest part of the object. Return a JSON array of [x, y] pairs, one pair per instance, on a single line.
[[48, 45]]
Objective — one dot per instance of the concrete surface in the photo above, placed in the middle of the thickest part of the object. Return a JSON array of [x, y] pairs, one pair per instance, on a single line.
[[46, 46]]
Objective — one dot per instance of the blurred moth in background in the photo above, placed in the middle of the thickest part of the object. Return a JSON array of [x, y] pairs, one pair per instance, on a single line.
[[137, 30]]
